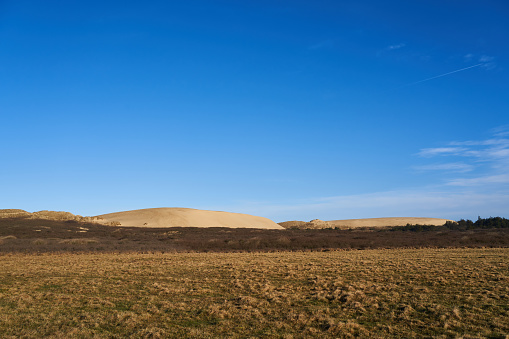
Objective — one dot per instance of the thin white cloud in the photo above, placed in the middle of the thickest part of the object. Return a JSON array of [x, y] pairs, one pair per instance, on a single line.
[[488, 62], [486, 58], [484, 180], [397, 46], [501, 131], [489, 158], [452, 167], [485, 61], [468, 57], [479, 187], [431, 152], [442, 75], [481, 142], [500, 153], [390, 48], [422, 202], [493, 149], [322, 44]]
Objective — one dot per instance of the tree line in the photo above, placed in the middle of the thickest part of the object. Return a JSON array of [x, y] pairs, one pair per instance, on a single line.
[[480, 223], [483, 223]]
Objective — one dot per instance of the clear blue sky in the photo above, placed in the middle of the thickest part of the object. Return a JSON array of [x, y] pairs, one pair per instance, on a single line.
[[283, 109]]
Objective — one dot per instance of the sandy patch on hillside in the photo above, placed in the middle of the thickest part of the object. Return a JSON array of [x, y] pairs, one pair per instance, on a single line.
[[368, 222], [381, 222], [188, 217]]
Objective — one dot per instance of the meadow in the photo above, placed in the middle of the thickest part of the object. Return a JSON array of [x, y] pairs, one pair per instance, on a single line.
[[439, 293]]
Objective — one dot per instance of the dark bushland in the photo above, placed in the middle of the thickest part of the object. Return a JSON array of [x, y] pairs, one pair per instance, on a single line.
[[486, 223], [42, 235]]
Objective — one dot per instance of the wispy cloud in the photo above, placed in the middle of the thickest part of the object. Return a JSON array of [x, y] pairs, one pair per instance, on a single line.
[[442, 75], [477, 185], [483, 180], [488, 160], [452, 167], [445, 151], [390, 48], [482, 150], [322, 44], [449, 202], [501, 131], [495, 141], [468, 57], [488, 62], [393, 47], [484, 61]]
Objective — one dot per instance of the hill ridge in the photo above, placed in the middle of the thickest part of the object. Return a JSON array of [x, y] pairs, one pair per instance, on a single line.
[[187, 217], [363, 222]]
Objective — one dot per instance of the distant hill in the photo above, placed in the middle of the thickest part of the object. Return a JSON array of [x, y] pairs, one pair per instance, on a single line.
[[154, 217], [357, 223], [187, 217], [50, 215]]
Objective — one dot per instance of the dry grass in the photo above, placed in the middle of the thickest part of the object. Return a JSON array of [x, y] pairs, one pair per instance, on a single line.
[[438, 293]]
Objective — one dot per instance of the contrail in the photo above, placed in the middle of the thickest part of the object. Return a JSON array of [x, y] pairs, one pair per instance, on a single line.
[[439, 76]]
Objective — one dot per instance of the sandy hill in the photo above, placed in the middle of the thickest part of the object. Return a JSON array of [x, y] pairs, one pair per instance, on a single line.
[[369, 222], [187, 217]]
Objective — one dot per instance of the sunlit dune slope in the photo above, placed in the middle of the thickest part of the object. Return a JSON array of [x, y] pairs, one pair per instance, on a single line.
[[188, 217], [369, 222], [380, 222]]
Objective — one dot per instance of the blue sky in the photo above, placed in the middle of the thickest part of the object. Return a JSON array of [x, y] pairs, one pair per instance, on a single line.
[[283, 109]]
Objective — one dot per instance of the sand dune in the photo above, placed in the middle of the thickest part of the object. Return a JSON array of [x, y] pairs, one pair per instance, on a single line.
[[187, 217], [380, 222], [368, 222]]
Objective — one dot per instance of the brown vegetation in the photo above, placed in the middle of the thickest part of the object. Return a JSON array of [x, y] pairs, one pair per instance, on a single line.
[[69, 278], [43, 235], [435, 293]]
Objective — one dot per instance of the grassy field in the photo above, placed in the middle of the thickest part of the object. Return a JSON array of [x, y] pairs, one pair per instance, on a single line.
[[378, 293]]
